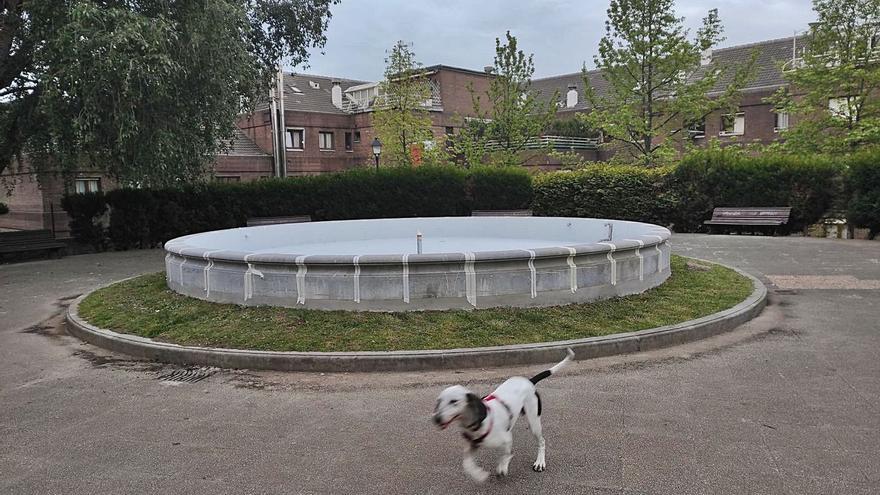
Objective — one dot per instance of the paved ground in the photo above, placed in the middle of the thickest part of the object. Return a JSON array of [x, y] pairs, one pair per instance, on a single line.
[[789, 404]]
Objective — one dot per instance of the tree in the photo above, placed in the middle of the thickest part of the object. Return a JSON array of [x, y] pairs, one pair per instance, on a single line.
[[833, 88], [402, 117], [143, 90], [517, 115], [656, 82]]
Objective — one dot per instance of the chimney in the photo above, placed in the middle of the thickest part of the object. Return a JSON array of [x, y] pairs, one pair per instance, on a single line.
[[571, 98], [336, 94], [488, 69], [706, 57]]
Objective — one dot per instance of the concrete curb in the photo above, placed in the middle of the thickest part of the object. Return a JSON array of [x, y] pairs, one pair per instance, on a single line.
[[479, 357]]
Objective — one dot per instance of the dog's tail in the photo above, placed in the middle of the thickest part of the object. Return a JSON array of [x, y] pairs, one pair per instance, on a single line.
[[555, 369]]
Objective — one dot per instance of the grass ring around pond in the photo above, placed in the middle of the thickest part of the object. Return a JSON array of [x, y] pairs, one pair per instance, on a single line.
[[145, 307]]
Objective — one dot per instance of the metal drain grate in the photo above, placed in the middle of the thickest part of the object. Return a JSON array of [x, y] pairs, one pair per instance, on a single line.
[[187, 375]]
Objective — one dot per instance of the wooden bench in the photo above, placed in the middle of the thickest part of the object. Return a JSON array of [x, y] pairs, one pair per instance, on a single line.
[[501, 213], [763, 217], [22, 241], [253, 222]]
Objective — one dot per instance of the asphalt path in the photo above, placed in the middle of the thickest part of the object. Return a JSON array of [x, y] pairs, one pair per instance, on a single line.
[[788, 404]]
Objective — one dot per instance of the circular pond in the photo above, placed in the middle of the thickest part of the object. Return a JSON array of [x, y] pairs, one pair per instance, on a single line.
[[421, 263]]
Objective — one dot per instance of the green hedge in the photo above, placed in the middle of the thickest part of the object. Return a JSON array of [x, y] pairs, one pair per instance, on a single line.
[[711, 178], [3, 209], [140, 218], [863, 185], [681, 197], [605, 191]]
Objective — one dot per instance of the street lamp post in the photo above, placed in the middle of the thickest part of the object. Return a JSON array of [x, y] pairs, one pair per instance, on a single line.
[[377, 150]]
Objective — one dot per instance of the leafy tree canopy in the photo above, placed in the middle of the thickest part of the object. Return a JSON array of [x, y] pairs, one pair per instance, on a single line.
[[144, 90], [656, 82], [402, 117], [517, 115], [834, 85]]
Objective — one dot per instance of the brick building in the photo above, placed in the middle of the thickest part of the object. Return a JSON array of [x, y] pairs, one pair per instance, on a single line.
[[326, 126], [755, 121]]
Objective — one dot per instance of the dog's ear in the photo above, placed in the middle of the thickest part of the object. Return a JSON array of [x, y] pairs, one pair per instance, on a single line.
[[476, 409]]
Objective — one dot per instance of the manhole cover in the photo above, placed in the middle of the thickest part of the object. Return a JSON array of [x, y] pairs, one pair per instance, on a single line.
[[186, 375]]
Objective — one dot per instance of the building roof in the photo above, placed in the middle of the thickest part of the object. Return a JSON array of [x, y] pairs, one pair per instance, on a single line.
[[439, 67], [311, 93], [546, 87], [770, 56], [242, 145]]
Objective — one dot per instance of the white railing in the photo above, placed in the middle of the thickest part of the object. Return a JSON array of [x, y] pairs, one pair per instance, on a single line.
[[554, 142], [349, 105]]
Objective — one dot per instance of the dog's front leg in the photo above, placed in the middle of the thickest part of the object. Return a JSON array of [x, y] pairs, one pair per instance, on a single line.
[[470, 467], [506, 455]]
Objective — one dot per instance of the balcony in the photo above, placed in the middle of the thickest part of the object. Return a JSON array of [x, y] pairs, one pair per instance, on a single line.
[[556, 143], [369, 97]]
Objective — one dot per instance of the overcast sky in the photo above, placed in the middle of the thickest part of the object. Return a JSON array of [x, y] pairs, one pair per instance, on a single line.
[[563, 34]]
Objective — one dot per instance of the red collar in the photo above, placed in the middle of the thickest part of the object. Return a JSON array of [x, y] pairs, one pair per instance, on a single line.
[[475, 442]]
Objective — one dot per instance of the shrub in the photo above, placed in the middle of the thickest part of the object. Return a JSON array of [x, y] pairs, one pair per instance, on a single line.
[[863, 184], [507, 188], [88, 223], [3, 209], [711, 178], [605, 191], [146, 218]]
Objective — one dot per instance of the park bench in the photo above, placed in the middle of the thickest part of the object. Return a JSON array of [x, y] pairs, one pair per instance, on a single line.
[[255, 221], [501, 213], [22, 241], [763, 218]]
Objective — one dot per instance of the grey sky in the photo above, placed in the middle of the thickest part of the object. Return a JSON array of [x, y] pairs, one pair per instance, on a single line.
[[562, 34]]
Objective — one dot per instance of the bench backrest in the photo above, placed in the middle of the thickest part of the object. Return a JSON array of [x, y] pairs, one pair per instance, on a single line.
[[252, 222], [752, 213], [20, 236]]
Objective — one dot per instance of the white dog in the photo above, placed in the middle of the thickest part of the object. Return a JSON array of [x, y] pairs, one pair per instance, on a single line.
[[489, 421]]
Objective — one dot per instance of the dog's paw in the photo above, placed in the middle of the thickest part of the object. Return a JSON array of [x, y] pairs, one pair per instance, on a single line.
[[480, 476], [501, 471], [539, 466]]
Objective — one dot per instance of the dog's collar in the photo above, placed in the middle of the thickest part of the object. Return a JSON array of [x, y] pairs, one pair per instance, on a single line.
[[476, 441]]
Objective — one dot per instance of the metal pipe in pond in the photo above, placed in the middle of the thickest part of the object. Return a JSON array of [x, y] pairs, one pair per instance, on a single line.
[[418, 242]]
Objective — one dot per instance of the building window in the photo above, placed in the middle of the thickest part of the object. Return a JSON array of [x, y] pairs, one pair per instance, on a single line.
[[87, 185], [295, 139], [781, 123], [228, 178], [733, 124], [841, 107], [357, 136], [325, 141], [348, 145], [697, 129]]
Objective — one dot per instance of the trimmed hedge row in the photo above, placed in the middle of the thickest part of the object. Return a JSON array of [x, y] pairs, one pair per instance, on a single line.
[[711, 178], [684, 196], [605, 191], [863, 186], [681, 197], [137, 218]]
